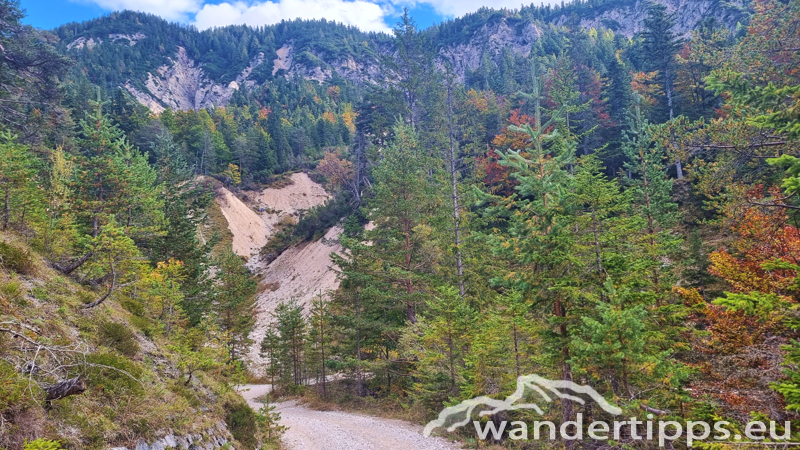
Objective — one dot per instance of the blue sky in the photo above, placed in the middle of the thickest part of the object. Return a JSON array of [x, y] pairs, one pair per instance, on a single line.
[[369, 15]]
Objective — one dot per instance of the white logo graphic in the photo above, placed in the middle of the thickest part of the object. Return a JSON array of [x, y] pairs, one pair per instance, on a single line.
[[530, 382]]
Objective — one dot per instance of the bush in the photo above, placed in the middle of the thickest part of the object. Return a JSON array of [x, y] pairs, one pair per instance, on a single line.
[[16, 259], [134, 307], [42, 444], [119, 337], [102, 376], [241, 421]]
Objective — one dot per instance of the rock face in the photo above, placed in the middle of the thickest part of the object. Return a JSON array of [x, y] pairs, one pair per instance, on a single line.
[[322, 70], [215, 437], [183, 85], [629, 20], [514, 36]]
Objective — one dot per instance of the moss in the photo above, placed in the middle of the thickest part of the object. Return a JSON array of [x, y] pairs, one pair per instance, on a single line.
[[42, 444], [16, 259]]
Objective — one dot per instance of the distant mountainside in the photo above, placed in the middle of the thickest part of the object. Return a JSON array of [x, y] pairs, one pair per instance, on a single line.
[[164, 64]]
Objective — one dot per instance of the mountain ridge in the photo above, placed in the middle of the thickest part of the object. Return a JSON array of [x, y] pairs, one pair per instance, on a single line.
[[165, 64]]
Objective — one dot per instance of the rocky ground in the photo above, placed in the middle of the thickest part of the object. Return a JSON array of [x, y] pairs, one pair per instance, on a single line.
[[338, 430]]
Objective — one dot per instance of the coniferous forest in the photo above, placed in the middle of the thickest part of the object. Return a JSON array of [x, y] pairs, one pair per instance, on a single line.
[[622, 212]]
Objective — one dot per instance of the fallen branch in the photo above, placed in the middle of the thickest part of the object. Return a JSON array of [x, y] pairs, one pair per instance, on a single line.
[[73, 386]]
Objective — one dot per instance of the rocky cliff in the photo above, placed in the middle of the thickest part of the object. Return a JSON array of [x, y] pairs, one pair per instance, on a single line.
[[629, 19], [184, 85]]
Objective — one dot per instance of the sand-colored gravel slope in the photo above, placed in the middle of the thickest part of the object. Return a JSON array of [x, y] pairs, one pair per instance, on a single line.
[[251, 230], [301, 272], [248, 228]]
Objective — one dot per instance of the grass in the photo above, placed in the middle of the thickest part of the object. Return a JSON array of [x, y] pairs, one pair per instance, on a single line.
[[115, 410]]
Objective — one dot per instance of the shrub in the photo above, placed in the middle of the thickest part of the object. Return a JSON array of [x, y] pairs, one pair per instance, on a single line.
[[119, 337], [101, 375], [241, 421], [16, 259], [41, 444], [134, 307]]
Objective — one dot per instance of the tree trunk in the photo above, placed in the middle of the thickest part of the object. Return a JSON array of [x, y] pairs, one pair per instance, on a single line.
[[7, 209], [73, 386], [668, 86], [322, 345], [108, 292], [566, 372], [454, 186], [68, 269], [360, 382]]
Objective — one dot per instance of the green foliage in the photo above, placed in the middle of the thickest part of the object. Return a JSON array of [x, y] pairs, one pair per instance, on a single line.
[[753, 303], [113, 376], [119, 337], [234, 303], [268, 421], [42, 444], [242, 422]]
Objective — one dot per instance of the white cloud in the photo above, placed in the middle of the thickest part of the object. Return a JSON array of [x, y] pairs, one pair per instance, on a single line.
[[360, 13], [176, 10]]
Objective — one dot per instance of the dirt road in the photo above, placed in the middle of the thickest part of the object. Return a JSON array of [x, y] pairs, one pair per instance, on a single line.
[[337, 430]]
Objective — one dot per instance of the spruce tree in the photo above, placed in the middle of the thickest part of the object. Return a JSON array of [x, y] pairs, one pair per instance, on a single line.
[[661, 45], [234, 303]]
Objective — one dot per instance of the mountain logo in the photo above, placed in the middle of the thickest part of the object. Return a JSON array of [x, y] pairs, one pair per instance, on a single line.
[[461, 414]]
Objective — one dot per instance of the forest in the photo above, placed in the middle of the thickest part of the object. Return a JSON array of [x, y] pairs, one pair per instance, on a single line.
[[620, 212]]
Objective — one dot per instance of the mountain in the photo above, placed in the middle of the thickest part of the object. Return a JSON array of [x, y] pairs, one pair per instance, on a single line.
[[164, 64]]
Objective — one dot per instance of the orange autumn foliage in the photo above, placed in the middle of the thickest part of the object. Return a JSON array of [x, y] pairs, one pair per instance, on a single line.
[[765, 235]]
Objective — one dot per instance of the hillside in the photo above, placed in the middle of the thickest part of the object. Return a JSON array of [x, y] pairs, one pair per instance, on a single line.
[[512, 213], [133, 386], [166, 65]]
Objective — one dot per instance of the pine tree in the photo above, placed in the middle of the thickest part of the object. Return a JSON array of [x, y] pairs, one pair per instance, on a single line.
[[401, 210], [185, 203], [661, 45], [652, 190], [112, 178], [319, 341], [16, 176], [539, 239], [234, 303], [292, 330], [439, 344]]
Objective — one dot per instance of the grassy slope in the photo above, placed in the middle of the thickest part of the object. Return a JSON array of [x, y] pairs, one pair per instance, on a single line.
[[115, 410]]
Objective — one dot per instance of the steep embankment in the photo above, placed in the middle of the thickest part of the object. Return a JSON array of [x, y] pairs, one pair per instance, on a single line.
[[301, 272], [96, 378]]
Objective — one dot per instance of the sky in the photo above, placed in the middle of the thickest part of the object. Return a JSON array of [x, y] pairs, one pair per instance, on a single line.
[[368, 15]]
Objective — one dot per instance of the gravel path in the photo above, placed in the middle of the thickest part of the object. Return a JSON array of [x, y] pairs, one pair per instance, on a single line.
[[337, 430]]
